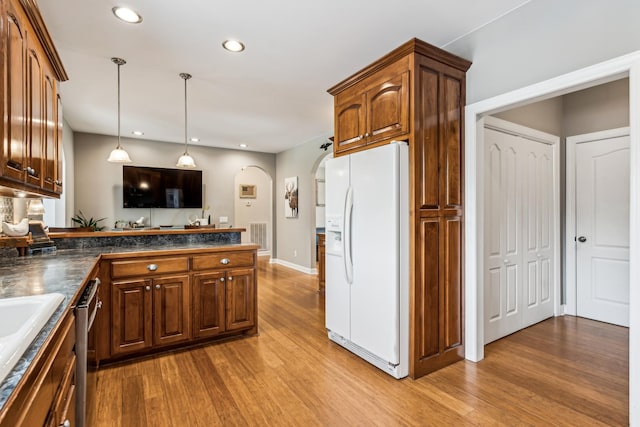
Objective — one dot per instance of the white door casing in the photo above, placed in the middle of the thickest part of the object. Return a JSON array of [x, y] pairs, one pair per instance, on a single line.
[[520, 237], [627, 65], [598, 226]]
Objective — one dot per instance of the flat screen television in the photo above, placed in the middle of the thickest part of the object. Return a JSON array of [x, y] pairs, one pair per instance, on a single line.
[[145, 187]]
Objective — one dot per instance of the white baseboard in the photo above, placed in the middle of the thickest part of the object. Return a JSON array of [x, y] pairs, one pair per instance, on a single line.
[[293, 266]]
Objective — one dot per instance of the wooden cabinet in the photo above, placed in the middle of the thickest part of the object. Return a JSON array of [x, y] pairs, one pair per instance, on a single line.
[[31, 150], [148, 313], [46, 395], [15, 99], [321, 261], [373, 111], [240, 299], [417, 93], [175, 299], [208, 304], [233, 277]]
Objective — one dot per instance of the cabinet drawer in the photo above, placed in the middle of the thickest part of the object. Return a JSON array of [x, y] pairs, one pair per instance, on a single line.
[[149, 266], [66, 393], [223, 260]]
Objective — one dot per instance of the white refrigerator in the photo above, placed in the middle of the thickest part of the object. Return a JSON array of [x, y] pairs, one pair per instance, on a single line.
[[367, 255]]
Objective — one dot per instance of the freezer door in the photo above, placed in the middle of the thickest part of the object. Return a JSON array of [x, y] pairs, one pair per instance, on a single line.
[[375, 317], [337, 295]]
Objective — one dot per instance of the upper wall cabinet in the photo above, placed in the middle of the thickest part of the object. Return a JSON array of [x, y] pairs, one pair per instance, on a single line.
[[31, 130], [373, 110], [416, 93]]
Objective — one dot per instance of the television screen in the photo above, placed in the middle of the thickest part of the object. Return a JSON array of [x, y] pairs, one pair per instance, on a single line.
[[144, 187]]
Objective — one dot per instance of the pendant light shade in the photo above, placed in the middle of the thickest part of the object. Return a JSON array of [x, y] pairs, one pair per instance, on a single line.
[[118, 155], [185, 161]]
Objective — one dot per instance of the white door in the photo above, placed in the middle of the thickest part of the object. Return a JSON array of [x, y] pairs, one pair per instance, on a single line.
[[519, 232], [375, 242], [337, 289], [602, 230]]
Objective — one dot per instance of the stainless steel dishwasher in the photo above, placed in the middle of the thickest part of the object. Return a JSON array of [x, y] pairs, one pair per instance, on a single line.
[[86, 310]]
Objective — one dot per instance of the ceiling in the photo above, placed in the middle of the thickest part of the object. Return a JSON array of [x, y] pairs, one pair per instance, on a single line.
[[271, 97]]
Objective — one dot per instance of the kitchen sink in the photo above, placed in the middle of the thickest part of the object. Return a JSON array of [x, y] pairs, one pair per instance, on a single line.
[[21, 319]]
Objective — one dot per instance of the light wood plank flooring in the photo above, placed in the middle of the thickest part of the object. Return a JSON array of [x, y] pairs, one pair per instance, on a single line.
[[564, 371]]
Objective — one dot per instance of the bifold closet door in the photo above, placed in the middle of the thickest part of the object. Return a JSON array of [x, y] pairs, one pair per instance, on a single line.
[[518, 279]]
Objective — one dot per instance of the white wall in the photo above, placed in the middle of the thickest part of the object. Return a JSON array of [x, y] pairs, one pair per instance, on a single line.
[[295, 236], [98, 183], [545, 116], [544, 39], [253, 210]]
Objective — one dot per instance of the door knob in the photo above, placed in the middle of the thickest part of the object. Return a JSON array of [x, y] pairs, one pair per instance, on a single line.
[[582, 239]]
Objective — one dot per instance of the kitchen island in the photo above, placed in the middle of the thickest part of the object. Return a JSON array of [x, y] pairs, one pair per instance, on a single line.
[[67, 270]]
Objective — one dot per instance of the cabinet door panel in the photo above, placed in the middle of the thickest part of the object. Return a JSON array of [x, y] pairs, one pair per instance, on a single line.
[[131, 316], [350, 123], [208, 304], [427, 157], [240, 296], [171, 309], [58, 161], [35, 120], [388, 109], [14, 149], [49, 166]]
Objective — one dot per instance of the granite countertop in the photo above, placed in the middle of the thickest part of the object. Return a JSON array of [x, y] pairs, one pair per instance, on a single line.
[[64, 272]]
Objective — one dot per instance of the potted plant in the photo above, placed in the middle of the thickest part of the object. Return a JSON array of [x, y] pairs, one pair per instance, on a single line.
[[87, 224]]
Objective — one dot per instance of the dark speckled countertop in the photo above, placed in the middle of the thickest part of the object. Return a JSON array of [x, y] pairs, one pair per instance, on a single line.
[[63, 271]]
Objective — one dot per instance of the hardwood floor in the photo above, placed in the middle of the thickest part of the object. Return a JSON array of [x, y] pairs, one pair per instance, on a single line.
[[564, 371]]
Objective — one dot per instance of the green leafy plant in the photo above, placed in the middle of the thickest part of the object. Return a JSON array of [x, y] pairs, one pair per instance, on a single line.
[[82, 221]]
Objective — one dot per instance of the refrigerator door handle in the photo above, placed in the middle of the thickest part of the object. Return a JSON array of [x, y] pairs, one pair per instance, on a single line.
[[346, 240]]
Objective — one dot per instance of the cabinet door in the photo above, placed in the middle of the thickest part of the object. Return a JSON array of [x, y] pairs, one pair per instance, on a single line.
[[35, 119], [14, 147], [208, 304], [131, 311], [58, 163], [388, 109], [350, 123], [171, 310], [49, 165], [240, 293]]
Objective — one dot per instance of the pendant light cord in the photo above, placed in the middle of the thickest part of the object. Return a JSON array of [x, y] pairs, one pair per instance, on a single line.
[[186, 77], [119, 62]]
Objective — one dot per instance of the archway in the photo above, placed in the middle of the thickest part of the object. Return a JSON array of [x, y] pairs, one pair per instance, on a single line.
[[253, 207], [317, 220]]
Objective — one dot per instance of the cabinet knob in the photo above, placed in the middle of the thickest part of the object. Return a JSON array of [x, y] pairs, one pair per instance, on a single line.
[[222, 279], [225, 261], [158, 287], [366, 134], [152, 267], [361, 136], [66, 423], [230, 277], [147, 288]]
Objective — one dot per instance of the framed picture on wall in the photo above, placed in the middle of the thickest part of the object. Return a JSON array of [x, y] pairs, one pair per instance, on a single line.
[[291, 197], [319, 192], [247, 191]]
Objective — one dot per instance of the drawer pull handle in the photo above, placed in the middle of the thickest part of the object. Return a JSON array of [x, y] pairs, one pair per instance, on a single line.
[[225, 261], [152, 267]]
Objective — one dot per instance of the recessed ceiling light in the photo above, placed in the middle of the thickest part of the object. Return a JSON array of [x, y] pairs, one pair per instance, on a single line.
[[194, 139], [243, 145], [137, 133], [127, 15], [233, 45]]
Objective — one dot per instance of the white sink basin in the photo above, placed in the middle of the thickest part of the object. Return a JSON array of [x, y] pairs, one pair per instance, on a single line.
[[21, 319]]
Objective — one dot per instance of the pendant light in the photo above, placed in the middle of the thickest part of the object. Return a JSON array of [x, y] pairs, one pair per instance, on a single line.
[[118, 155], [185, 161]]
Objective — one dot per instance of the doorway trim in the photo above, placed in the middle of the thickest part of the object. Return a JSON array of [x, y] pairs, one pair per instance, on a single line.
[[570, 212], [628, 65]]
